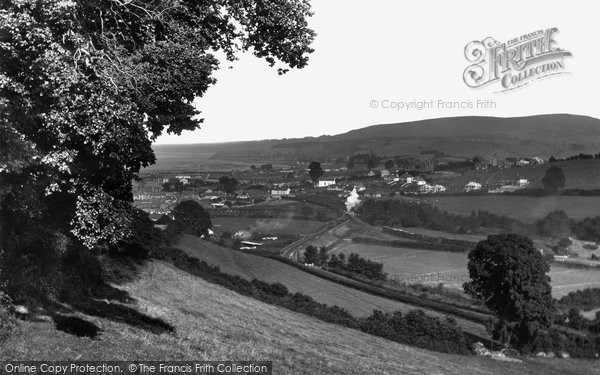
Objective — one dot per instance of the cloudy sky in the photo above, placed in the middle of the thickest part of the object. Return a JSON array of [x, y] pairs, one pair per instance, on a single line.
[[398, 51]]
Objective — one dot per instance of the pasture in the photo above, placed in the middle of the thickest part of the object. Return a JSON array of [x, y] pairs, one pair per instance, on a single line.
[[248, 266], [212, 322], [524, 209], [266, 226], [579, 174], [413, 266]]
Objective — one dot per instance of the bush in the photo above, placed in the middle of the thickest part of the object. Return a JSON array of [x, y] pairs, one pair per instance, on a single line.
[[586, 299]]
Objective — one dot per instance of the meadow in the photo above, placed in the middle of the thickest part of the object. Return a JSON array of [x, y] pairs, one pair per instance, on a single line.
[[433, 267], [212, 322], [265, 226], [356, 302]]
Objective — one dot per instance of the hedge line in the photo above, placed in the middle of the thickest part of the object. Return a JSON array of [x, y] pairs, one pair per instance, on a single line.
[[414, 328], [411, 245], [471, 314]]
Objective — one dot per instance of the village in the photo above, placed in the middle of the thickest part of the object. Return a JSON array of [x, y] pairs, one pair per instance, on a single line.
[[423, 174]]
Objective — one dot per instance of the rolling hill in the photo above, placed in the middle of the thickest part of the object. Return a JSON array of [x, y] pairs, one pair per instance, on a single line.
[[542, 135], [212, 323]]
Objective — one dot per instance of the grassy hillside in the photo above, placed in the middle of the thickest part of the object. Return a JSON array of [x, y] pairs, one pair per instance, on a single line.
[[249, 267], [212, 322]]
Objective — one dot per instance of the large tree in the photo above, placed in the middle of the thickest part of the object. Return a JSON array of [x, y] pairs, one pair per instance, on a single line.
[[189, 218], [315, 171], [510, 276], [228, 184], [86, 86]]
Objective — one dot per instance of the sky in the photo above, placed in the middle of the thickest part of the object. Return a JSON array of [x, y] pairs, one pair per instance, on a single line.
[[374, 53]]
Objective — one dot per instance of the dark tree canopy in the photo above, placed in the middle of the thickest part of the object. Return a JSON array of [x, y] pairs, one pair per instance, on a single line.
[[389, 164], [556, 225], [510, 275], [315, 171], [189, 218], [311, 255], [86, 86], [554, 179], [228, 184]]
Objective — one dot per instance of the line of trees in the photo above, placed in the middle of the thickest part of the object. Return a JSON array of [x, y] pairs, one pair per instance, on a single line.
[[354, 264]]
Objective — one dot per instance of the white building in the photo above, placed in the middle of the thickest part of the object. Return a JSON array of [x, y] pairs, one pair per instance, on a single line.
[[473, 186], [280, 192], [325, 183]]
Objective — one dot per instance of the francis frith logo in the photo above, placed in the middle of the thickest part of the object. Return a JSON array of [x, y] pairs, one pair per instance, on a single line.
[[515, 63]]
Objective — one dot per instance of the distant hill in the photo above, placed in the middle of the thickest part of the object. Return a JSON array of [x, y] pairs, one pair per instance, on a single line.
[[542, 135]]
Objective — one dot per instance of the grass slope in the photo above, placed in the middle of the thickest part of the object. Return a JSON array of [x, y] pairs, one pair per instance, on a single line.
[[356, 302], [213, 323]]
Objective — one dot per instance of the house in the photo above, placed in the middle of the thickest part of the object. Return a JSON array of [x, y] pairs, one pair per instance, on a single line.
[[250, 243], [373, 194], [280, 192], [385, 173], [522, 162], [406, 179], [472, 186], [325, 183], [438, 189]]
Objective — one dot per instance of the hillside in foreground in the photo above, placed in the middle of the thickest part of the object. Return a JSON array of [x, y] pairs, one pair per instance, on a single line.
[[212, 322]]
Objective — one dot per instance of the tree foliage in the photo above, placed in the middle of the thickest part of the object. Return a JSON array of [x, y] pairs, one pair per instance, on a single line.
[[228, 184], [554, 179], [315, 171], [510, 275], [189, 218], [86, 86]]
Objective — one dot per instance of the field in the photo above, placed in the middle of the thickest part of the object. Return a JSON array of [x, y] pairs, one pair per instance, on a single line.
[[525, 209], [265, 226], [213, 323], [434, 267], [579, 174], [250, 266]]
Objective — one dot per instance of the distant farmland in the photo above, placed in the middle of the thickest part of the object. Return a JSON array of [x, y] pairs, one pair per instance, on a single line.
[[265, 226], [434, 267], [525, 209], [579, 174]]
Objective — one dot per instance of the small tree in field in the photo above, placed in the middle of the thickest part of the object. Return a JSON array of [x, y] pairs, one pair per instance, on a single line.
[[554, 179], [510, 275], [311, 255]]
